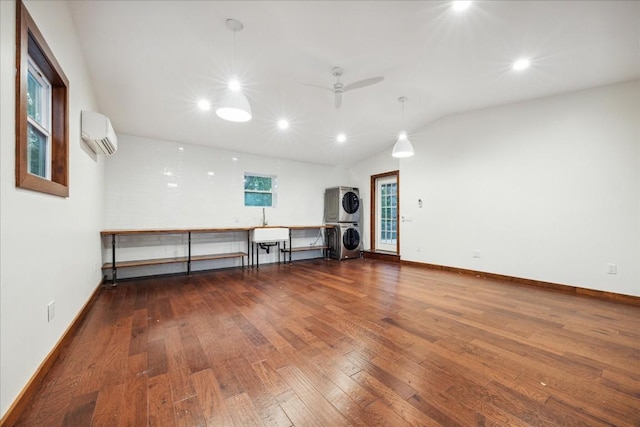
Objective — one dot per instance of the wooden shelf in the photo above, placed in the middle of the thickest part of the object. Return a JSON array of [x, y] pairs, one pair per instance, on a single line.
[[159, 261], [143, 262], [305, 248], [174, 231], [218, 256]]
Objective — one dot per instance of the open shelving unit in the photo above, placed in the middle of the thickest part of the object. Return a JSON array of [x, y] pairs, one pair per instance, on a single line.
[[190, 258], [321, 247], [114, 265]]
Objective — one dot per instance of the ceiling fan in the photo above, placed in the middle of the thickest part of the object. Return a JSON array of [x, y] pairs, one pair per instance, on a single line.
[[339, 88]]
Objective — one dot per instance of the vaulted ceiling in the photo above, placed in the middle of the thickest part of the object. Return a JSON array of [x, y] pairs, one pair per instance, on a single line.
[[151, 61]]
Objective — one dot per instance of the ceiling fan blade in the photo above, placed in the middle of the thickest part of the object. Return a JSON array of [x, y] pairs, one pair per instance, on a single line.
[[316, 86], [338, 100], [363, 83]]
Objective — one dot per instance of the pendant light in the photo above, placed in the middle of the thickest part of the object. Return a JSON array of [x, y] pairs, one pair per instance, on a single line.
[[403, 147], [234, 105]]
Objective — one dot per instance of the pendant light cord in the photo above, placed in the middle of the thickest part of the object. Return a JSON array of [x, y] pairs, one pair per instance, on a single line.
[[233, 53]]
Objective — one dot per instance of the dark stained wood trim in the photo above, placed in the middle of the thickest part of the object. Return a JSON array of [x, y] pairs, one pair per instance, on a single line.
[[372, 210], [398, 212], [372, 214], [29, 40], [567, 289], [381, 256], [28, 392]]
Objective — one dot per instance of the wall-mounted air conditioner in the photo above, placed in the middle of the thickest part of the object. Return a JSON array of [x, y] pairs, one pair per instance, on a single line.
[[98, 133]]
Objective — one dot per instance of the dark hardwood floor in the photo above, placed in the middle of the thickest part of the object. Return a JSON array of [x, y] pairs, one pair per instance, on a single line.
[[358, 342]]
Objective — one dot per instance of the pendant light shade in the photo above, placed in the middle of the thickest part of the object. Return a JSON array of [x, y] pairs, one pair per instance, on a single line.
[[233, 105], [403, 147]]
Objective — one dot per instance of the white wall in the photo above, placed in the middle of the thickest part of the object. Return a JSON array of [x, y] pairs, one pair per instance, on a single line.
[[209, 191], [361, 176], [546, 190], [50, 247]]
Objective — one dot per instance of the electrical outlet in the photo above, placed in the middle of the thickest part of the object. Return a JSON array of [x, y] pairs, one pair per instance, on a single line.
[[51, 310], [476, 253], [612, 268]]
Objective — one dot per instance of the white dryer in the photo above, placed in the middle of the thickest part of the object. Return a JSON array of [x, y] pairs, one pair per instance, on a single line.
[[341, 204], [344, 241]]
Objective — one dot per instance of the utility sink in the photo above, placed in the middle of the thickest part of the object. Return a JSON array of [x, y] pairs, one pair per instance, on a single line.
[[269, 234]]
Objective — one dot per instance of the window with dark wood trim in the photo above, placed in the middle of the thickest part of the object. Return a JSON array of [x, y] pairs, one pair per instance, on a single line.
[[44, 165]]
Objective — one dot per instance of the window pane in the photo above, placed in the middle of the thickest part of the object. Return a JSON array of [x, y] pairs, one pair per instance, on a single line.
[[34, 98], [257, 183], [36, 152], [257, 199]]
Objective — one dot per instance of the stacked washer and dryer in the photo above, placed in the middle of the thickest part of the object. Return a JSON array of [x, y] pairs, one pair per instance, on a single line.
[[342, 210]]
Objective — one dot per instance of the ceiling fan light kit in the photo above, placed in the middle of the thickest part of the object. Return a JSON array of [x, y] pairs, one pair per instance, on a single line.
[[233, 104], [403, 147]]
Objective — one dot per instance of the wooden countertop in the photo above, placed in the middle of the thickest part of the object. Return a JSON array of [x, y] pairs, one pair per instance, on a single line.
[[204, 230]]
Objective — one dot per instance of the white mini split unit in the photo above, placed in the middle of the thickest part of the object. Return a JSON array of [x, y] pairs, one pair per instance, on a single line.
[[98, 133]]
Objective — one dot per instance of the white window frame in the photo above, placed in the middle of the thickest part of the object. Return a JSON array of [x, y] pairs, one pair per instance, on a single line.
[[44, 126], [273, 192]]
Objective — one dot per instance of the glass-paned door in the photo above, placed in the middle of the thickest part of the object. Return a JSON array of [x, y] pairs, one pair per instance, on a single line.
[[387, 213]]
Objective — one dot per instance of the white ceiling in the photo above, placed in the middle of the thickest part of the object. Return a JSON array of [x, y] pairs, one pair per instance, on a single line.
[[151, 61]]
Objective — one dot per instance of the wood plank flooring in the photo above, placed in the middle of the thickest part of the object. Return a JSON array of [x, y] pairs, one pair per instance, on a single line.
[[358, 342]]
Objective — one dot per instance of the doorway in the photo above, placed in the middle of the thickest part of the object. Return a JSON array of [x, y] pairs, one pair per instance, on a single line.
[[385, 212]]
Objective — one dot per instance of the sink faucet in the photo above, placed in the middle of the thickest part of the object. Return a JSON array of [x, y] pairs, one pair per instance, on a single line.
[[264, 219]]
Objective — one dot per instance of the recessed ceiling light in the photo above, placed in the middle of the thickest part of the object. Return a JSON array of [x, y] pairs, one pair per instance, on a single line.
[[235, 159], [172, 185], [211, 173], [283, 124], [341, 137], [521, 64], [181, 148], [461, 5], [203, 104]]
